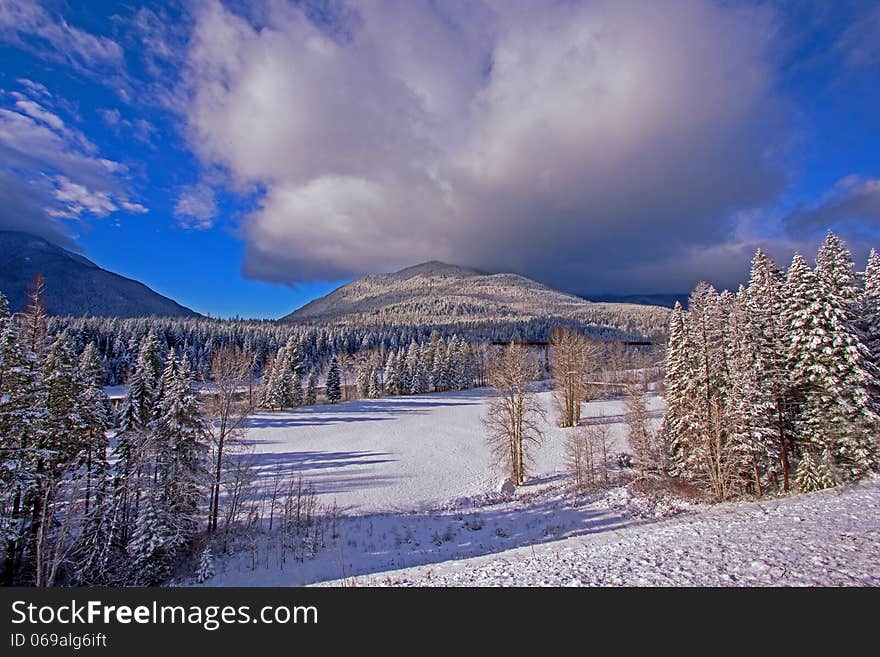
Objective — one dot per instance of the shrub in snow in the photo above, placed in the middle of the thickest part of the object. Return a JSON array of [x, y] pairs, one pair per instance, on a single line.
[[507, 488], [814, 473], [205, 571]]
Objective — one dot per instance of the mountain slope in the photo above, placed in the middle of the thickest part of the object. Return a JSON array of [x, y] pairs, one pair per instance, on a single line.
[[74, 284], [438, 293]]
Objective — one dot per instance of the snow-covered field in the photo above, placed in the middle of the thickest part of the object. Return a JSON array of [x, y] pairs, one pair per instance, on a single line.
[[829, 538], [402, 453], [420, 506], [413, 479]]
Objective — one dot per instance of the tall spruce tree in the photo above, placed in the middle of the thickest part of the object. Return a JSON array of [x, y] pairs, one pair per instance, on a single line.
[[312, 389], [767, 333], [333, 387]]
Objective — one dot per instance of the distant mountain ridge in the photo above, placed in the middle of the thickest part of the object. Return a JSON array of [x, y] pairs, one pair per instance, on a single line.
[[440, 293], [666, 300], [74, 284]]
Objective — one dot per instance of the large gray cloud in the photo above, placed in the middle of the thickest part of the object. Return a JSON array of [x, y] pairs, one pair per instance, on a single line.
[[585, 143]]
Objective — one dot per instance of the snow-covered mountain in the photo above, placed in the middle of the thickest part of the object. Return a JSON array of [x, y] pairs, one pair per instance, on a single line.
[[74, 284], [439, 293]]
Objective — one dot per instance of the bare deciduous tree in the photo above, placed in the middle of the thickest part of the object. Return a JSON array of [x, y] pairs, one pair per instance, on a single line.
[[515, 418], [640, 435], [573, 356], [578, 457], [586, 452], [230, 373]]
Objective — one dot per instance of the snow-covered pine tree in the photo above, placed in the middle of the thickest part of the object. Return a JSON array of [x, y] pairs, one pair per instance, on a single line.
[[205, 570], [153, 545], [392, 382], [450, 362], [98, 555], [439, 378], [422, 372], [374, 389], [279, 390], [831, 365], [869, 317], [22, 417], [96, 414], [297, 395], [464, 375], [150, 365], [815, 471], [748, 402], [767, 333], [272, 395], [362, 380], [675, 387], [413, 369], [66, 429], [131, 453], [312, 388], [180, 433], [333, 384], [705, 458]]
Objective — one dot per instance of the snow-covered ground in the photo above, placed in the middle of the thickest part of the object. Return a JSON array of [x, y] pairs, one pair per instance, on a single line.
[[827, 538], [420, 506], [413, 479], [403, 453]]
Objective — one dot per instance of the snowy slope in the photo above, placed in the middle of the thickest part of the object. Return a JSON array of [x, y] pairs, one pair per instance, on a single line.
[[826, 538], [400, 452]]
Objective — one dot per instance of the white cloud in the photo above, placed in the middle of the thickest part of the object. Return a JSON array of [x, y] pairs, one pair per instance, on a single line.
[[51, 171], [36, 111], [78, 47], [75, 199], [196, 207]]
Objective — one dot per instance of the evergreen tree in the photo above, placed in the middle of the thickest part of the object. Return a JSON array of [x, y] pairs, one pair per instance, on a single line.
[[814, 473], [284, 388], [677, 375], [96, 414], [66, 428], [333, 387], [392, 381], [153, 545], [869, 318], [412, 369], [374, 390], [205, 570], [362, 382], [297, 396], [312, 389], [180, 432], [767, 335], [829, 363], [98, 556], [22, 422]]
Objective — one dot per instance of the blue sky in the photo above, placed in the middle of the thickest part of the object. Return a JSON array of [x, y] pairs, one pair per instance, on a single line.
[[243, 158]]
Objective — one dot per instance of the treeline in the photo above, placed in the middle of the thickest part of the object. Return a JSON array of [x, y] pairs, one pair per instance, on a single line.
[[776, 386], [436, 365], [118, 341]]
